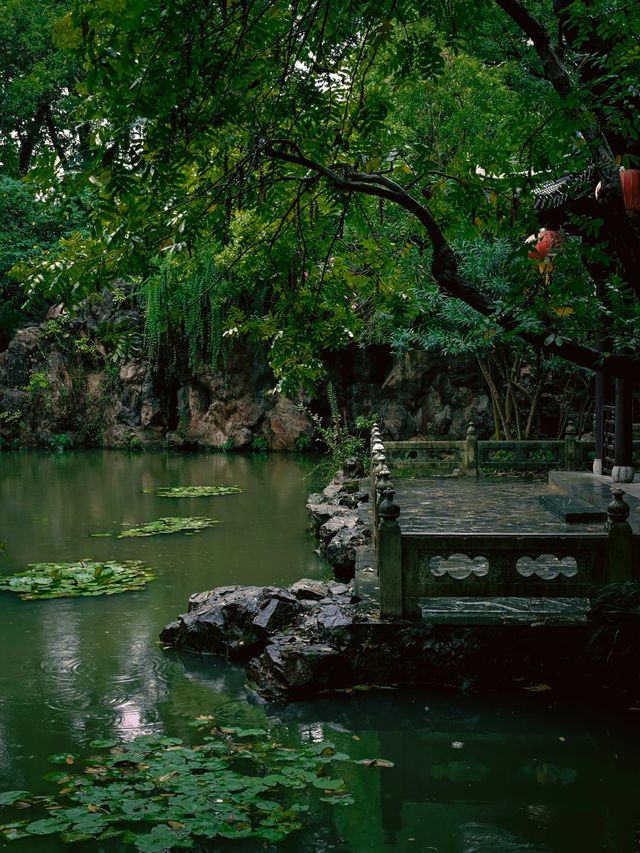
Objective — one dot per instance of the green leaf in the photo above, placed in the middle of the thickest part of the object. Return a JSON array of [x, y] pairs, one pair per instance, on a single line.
[[162, 838], [328, 784], [48, 825], [8, 798]]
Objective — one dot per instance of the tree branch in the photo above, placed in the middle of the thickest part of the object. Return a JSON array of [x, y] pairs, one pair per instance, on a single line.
[[620, 232], [444, 266]]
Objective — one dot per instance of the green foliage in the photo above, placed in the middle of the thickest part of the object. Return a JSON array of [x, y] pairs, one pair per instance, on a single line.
[[340, 444], [36, 78], [38, 382], [160, 793], [9, 419], [86, 577], [292, 198], [119, 341], [502, 456], [61, 441], [171, 524], [303, 443], [259, 444], [195, 491]]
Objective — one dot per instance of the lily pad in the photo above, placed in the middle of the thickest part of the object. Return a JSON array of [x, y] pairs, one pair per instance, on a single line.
[[7, 798], [83, 578], [221, 786], [195, 491], [171, 524]]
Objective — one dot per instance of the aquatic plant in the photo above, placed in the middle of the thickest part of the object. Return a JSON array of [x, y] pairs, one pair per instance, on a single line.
[[171, 524], [195, 491], [85, 577], [160, 793]]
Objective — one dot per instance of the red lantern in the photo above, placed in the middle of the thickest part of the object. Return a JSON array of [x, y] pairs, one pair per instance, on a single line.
[[630, 180], [547, 240]]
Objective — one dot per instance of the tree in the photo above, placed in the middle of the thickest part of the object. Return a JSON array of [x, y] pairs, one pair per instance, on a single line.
[[267, 137], [35, 82], [36, 79]]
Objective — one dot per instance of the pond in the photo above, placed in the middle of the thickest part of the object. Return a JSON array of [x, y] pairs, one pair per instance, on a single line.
[[513, 773]]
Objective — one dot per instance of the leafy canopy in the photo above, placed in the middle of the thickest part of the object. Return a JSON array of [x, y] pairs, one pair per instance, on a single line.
[[297, 172]]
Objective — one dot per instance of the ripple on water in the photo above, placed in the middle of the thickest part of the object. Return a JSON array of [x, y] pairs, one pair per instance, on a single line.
[[62, 666], [154, 669]]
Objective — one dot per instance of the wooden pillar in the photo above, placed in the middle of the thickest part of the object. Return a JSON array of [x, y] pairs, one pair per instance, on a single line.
[[620, 550], [622, 471]]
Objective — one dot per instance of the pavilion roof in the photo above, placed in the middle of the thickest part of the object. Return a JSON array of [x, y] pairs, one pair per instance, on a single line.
[[559, 192]]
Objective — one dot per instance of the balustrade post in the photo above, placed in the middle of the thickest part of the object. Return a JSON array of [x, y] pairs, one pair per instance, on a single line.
[[376, 435], [471, 451], [390, 557], [570, 448], [620, 549], [376, 455], [382, 482]]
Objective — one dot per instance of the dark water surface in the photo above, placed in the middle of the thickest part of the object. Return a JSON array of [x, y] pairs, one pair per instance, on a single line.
[[471, 774]]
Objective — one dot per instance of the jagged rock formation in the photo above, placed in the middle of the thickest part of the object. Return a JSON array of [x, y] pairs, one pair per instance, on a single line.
[[85, 380], [338, 520]]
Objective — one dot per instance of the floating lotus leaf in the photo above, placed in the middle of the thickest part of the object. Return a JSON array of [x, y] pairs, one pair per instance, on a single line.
[[195, 491], [232, 784], [171, 524], [86, 577]]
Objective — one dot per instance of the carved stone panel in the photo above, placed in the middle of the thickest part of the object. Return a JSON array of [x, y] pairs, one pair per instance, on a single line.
[[456, 566], [547, 567]]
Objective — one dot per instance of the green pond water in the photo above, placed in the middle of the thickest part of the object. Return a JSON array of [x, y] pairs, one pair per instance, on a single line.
[[471, 774]]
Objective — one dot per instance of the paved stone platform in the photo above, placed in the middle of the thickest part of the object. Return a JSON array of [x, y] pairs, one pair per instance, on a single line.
[[497, 505], [485, 505]]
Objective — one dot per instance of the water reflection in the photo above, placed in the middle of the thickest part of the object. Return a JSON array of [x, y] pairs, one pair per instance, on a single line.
[[479, 774]]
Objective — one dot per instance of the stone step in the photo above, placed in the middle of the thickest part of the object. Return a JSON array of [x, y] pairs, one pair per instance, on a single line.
[[505, 611], [572, 509]]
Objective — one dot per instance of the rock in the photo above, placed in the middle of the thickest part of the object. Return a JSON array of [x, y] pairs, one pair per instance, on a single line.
[[294, 667], [310, 590], [319, 514], [282, 609], [331, 491], [285, 424], [333, 525], [232, 621], [341, 550], [342, 591], [331, 621], [352, 468]]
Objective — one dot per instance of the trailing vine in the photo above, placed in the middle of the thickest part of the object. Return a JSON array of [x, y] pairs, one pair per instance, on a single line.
[[186, 304]]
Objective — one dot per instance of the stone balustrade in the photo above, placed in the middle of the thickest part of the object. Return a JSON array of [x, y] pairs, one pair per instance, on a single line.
[[416, 564]]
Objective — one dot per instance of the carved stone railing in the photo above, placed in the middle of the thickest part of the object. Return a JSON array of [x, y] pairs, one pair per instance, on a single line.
[[444, 457], [466, 458], [412, 565]]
